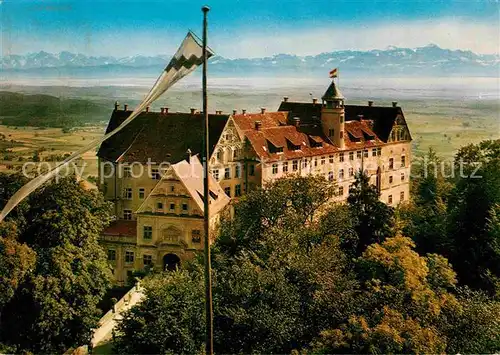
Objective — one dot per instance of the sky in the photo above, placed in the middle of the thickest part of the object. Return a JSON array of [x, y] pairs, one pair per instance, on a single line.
[[247, 28]]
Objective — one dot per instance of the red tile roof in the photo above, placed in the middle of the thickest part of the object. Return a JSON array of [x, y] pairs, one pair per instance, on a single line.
[[269, 119], [363, 132], [121, 229], [276, 131]]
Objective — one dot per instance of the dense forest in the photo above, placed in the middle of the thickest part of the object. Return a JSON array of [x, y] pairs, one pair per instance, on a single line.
[[292, 272], [48, 111]]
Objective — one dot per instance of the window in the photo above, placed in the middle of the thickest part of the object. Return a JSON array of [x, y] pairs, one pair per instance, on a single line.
[[402, 176], [315, 161], [403, 161], [172, 188], [227, 173], [391, 163], [237, 171], [304, 163], [285, 167], [402, 196], [184, 207], [172, 207], [390, 199], [374, 152], [111, 254], [390, 179], [252, 170], [341, 173], [129, 256], [227, 191], [142, 191], [341, 157], [365, 153], [159, 205], [351, 155], [331, 132], [215, 174], [379, 151], [147, 259], [127, 172], [155, 174], [236, 153], [275, 169], [330, 159], [237, 190], [358, 154], [351, 172], [295, 165], [147, 232], [330, 176], [127, 214], [196, 236], [341, 191], [323, 160], [219, 155], [341, 134], [127, 193]]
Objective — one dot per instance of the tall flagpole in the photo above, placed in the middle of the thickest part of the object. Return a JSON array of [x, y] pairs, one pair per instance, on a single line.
[[209, 317]]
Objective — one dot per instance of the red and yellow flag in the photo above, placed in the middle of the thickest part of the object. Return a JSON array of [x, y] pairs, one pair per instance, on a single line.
[[334, 73]]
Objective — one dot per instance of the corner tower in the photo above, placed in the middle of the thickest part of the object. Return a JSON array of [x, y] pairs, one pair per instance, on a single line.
[[333, 115]]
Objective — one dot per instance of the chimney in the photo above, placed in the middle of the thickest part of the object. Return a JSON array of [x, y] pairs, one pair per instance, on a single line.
[[117, 105], [394, 104], [296, 121], [147, 109], [258, 124], [188, 155], [370, 103], [285, 99], [162, 110], [244, 111], [193, 110], [125, 107], [219, 112], [234, 112], [315, 101], [166, 110], [262, 110]]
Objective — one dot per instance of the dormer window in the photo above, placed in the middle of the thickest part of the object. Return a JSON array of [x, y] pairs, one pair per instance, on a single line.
[[273, 148]]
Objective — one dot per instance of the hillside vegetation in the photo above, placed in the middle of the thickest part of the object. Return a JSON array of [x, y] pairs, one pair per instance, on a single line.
[[38, 110]]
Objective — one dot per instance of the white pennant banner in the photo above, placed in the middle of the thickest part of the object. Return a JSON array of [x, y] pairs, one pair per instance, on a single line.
[[187, 58]]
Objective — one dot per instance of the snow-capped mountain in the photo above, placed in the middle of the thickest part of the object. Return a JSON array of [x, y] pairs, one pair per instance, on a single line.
[[424, 61]]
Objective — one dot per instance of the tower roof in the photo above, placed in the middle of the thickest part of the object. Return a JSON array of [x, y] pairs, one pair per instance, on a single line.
[[332, 93]]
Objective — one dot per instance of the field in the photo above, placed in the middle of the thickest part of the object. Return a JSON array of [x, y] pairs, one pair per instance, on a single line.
[[21, 144], [444, 114]]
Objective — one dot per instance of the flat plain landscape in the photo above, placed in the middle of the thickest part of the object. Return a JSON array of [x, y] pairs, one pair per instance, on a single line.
[[442, 113]]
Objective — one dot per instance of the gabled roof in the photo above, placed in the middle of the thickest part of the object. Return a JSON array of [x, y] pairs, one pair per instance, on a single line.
[[383, 117], [159, 137], [190, 174]]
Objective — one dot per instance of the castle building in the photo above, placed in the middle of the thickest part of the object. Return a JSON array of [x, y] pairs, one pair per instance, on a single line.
[[159, 211]]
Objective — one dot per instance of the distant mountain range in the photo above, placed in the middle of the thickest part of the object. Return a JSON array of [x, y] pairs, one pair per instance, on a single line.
[[394, 61]]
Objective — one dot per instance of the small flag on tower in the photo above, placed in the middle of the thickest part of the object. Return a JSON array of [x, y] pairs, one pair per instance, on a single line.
[[334, 73]]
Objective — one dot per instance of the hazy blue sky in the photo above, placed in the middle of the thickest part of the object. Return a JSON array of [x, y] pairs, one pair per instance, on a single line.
[[249, 28]]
